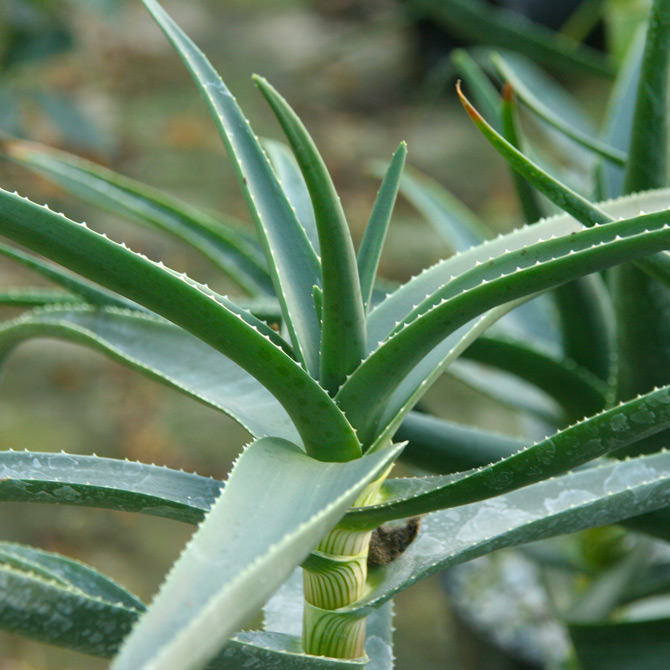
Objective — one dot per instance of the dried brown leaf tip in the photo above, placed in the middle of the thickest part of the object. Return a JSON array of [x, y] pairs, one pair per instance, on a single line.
[[472, 112]]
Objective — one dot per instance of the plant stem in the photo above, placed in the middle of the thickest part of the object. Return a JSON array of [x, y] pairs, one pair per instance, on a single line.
[[334, 577]]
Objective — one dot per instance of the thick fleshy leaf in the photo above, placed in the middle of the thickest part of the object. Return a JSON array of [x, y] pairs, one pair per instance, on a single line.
[[647, 165], [461, 229], [657, 266], [400, 302], [293, 265], [236, 334], [579, 392], [644, 360], [161, 351], [91, 481], [585, 499], [343, 333], [512, 276], [531, 205], [618, 121], [289, 175], [59, 601], [508, 391], [587, 323], [66, 571], [529, 97], [82, 288], [290, 501], [500, 28], [76, 607], [36, 297], [372, 243], [224, 245], [585, 441], [444, 447]]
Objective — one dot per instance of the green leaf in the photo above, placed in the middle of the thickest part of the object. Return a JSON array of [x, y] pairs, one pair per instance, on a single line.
[[514, 275], [637, 295], [546, 113], [648, 162], [500, 28], [576, 389], [289, 175], [657, 266], [224, 245], [294, 266], [58, 601], [508, 391], [75, 607], [163, 352], [92, 481], [592, 438], [372, 243], [618, 121], [342, 315], [398, 304], [290, 501], [530, 203], [35, 297], [625, 645], [585, 499], [587, 325], [444, 447], [67, 572], [322, 426], [89, 292]]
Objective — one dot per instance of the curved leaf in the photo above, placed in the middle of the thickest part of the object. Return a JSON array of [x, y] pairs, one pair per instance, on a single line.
[[444, 447], [657, 266], [647, 165], [43, 604], [399, 303], [576, 389], [290, 501], [294, 266], [291, 179], [75, 607], [585, 499], [161, 351], [370, 250], [36, 297], [322, 426], [80, 287], [343, 331], [500, 280], [92, 481], [590, 439], [222, 244], [528, 97]]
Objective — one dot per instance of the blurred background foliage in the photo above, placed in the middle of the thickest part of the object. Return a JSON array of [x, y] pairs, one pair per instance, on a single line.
[[97, 78]]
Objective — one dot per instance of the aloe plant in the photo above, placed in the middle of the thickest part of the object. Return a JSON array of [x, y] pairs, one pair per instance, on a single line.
[[324, 372]]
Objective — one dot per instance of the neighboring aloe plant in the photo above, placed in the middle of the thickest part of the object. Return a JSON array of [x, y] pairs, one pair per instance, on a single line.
[[323, 397]]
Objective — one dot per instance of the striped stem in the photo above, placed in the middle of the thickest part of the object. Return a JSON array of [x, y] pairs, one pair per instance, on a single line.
[[334, 577]]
